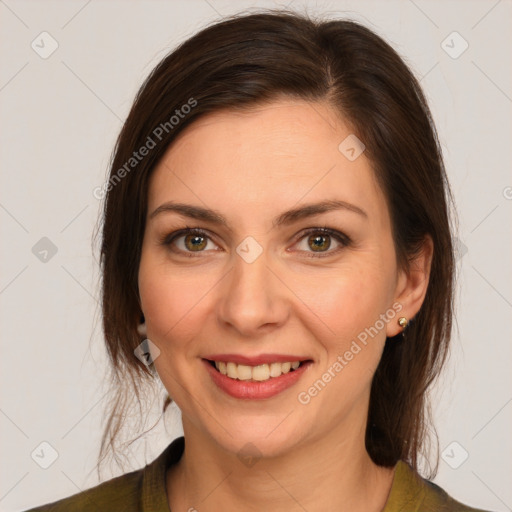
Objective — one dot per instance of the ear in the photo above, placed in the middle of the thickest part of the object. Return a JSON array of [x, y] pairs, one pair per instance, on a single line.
[[141, 327], [412, 285]]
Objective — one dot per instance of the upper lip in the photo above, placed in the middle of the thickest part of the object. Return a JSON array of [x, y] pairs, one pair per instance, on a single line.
[[256, 360]]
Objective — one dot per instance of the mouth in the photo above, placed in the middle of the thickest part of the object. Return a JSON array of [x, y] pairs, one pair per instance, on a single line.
[[256, 373], [267, 376]]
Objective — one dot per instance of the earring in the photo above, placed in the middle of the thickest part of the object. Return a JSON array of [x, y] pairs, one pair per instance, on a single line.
[[402, 322]]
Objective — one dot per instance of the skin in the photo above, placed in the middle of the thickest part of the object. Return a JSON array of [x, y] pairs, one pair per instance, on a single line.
[[251, 167]]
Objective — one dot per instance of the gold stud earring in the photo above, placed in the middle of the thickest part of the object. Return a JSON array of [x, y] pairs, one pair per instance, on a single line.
[[402, 322]]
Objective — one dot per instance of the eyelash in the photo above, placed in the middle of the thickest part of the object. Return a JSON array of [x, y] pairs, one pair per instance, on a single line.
[[343, 239]]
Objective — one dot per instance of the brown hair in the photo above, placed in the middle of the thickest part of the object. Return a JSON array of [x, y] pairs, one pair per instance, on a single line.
[[247, 60]]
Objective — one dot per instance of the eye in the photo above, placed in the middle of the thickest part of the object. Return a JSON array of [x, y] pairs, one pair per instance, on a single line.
[[188, 240], [318, 242]]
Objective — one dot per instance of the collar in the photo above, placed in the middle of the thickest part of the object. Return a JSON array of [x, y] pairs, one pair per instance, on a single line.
[[409, 491], [154, 492]]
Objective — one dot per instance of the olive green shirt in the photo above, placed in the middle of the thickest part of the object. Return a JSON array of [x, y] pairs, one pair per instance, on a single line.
[[144, 490]]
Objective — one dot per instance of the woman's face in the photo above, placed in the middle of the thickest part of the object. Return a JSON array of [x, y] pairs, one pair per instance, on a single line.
[[265, 286]]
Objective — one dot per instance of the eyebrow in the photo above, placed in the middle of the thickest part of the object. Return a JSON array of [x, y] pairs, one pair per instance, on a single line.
[[286, 218]]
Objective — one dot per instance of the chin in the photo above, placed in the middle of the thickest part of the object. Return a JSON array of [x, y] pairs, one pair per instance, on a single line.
[[261, 438]]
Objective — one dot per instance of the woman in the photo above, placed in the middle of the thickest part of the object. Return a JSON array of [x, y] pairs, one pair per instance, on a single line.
[[276, 249]]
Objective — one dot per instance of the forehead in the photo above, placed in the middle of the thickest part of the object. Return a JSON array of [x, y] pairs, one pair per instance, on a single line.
[[272, 156]]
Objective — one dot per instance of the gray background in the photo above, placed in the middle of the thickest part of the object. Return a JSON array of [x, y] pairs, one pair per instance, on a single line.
[[60, 116]]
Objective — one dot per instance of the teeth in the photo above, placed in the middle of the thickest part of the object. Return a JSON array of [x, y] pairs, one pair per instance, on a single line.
[[261, 372], [243, 372], [258, 373], [222, 367], [275, 369], [231, 370]]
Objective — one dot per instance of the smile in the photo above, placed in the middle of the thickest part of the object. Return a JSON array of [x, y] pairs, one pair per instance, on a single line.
[[257, 381], [261, 372]]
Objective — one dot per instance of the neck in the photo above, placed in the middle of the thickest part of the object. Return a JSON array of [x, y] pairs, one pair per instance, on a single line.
[[332, 472]]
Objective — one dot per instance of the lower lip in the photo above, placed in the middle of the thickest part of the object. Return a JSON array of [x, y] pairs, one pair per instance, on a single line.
[[256, 390]]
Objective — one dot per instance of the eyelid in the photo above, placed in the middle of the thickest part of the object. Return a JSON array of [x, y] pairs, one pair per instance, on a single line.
[[169, 238], [339, 236], [343, 239]]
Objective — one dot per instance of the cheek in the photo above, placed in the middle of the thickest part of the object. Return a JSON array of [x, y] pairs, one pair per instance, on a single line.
[[172, 301], [347, 299], [352, 304]]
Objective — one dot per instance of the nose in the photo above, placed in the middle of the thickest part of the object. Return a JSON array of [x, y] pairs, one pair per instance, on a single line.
[[253, 299]]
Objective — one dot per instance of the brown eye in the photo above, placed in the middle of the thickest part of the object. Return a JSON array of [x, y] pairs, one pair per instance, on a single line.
[[188, 241], [319, 241], [195, 242]]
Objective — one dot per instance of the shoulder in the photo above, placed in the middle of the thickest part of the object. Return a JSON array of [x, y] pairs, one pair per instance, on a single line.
[[442, 501], [139, 491], [118, 494], [412, 492]]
